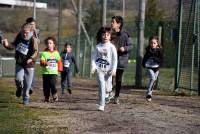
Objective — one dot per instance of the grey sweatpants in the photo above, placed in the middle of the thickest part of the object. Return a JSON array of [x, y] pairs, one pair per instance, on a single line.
[[23, 78], [152, 78], [105, 84]]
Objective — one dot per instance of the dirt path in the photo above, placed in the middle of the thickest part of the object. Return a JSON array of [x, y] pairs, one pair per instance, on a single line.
[[77, 113]]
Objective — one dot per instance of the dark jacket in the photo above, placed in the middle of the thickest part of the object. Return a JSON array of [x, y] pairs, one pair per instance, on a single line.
[[155, 54], [123, 40], [67, 60], [20, 45]]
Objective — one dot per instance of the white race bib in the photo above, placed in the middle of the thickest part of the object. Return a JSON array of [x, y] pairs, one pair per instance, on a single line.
[[66, 63], [22, 48], [52, 64]]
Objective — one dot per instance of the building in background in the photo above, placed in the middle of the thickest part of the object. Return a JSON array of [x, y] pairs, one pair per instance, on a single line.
[[20, 3]]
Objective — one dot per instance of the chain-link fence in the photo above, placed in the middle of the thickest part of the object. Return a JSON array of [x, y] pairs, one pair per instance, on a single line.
[[47, 22], [188, 45]]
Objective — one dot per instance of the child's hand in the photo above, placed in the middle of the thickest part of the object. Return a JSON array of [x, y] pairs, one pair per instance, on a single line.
[[5, 42], [92, 71], [113, 72], [29, 61]]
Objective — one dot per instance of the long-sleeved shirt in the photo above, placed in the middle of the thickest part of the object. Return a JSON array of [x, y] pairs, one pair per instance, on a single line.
[[104, 57], [67, 60], [24, 50], [51, 62], [123, 40]]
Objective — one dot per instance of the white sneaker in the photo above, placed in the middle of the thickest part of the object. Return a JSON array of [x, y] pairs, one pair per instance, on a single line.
[[101, 108], [149, 99]]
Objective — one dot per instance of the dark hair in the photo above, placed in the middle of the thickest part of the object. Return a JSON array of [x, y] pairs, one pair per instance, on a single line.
[[154, 38], [119, 19], [50, 38], [101, 31], [30, 19], [66, 44]]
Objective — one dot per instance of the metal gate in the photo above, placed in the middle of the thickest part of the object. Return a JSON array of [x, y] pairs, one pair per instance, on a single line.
[[7, 66], [188, 55]]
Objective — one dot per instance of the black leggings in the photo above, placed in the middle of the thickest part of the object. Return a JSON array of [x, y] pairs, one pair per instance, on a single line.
[[49, 84], [118, 81]]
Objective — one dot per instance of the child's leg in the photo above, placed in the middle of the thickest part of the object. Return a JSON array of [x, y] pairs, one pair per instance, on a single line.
[[152, 78], [19, 78], [101, 83], [69, 82], [63, 81], [28, 77], [46, 87], [53, 81], [108, 84]]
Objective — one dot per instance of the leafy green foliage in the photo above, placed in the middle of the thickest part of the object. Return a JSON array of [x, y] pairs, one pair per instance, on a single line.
[[93, 19], [153, 15]]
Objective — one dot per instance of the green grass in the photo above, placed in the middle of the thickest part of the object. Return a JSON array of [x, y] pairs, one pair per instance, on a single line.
[[15, 118]]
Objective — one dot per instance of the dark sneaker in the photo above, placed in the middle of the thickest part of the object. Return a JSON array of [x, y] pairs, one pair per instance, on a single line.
[[30, 91], [63, 91], [116, 100], [107, 99], [19, 92], [47, 99], [26, 100], [69, 91], [55, 97], [148, 97]]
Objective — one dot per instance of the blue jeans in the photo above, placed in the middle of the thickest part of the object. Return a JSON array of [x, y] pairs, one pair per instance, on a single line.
[[105, 84], [66, 79], [152, 78], [23, 78]]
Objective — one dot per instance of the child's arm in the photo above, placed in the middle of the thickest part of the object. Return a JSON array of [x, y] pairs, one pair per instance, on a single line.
[[60, 66], [114, 60], [75, 64], [43, 61], [5, 43], [35, 49], [93, 64]]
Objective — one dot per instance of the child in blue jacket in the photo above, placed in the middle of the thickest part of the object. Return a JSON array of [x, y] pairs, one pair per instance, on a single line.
[[67, 60]]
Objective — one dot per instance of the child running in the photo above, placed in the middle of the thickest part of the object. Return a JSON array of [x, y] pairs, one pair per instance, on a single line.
[[51, 63], [26, 52], [152, 61], [104, 62], [67, 60]]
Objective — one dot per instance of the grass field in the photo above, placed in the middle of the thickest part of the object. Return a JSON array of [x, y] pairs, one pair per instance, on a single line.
[[16, 118]]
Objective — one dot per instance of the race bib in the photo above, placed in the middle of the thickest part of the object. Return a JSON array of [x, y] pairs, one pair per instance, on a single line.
[[66, 63], [52, 64], [22, 48], [103, 64], [151, 64]]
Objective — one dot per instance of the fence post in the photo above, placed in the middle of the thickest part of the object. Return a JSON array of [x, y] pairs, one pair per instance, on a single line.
[[177, 70], [198, 43], [84, 57], [91, 51]]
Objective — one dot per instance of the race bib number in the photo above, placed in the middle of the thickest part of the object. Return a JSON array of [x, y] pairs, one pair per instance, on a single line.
[[52, 64], [22, 48], [103, 64], [66, 63]]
